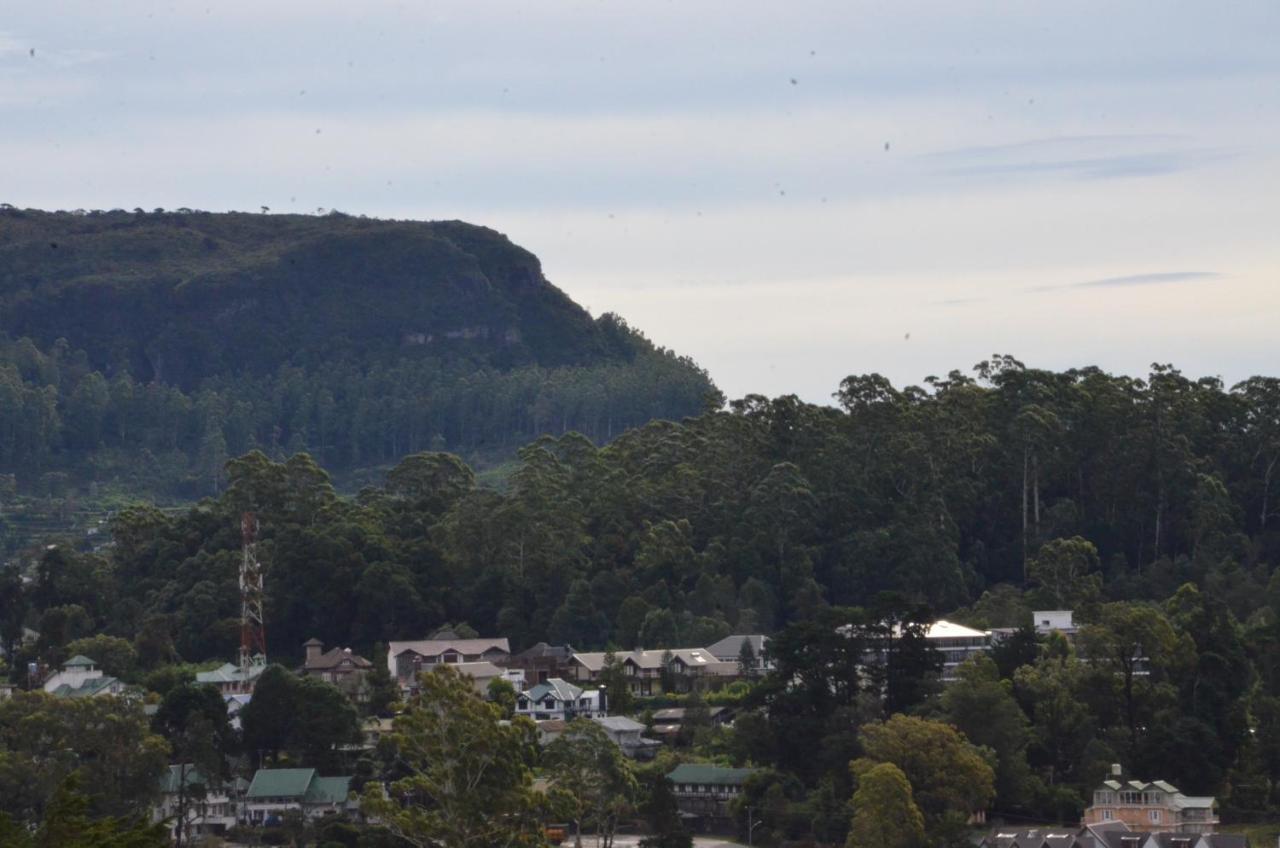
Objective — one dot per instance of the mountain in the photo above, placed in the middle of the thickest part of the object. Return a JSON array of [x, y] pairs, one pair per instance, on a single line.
[[207, 334]]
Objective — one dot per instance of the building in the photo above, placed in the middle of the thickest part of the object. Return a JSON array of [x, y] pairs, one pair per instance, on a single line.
[[1157, 807], [406, 659], [626, 734], [542, 662], [559, 699], [338, 666], [668, 722], [209, 810], [1054, 621], [705, 791], [685, 668], [729, 649], [276, 791], [956, 643], [232, 679], [1113, 835], [7, 690], [81, 678]]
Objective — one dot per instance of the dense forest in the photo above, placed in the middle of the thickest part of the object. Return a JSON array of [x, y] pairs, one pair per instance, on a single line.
[[1147, 505], [139, 351]]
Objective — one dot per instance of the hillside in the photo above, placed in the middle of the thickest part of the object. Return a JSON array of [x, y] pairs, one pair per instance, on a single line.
[[145, 348]]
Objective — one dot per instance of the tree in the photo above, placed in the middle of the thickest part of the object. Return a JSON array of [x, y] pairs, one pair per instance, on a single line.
[[469, 775], [104, 742], [115, 656], [949, 778], [306, 717], [194, 720], [501, 692], [617, 688], [662, 813], [584, 762], [66, 824], [747, 660], [982, 707], [1065, 571], [885, 815]]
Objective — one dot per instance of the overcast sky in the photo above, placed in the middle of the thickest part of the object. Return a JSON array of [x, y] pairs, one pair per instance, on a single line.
[[788, 192]]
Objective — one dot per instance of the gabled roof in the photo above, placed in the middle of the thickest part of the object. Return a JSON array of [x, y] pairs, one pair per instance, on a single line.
[[329, 790], [230, 673], [173, 776], [333, 658], [556, 688], [705, 775], [87, 689], [731, 646], [281, 783], [79, 661], [436, 647], [694, 658], [474, 669], [544, 651]]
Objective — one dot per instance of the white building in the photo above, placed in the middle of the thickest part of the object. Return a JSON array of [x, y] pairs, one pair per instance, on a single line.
[[558, 699], [1054, 621], [81, 678], [956, 643]]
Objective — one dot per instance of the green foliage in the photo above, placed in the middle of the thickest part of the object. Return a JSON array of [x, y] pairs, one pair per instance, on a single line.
[[884, 812], [67, 824], [469, 775], [104, 743], [589, 767], [949, 777], [304, 717]]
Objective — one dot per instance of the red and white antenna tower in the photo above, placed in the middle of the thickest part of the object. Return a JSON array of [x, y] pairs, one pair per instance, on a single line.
[[253, 632]]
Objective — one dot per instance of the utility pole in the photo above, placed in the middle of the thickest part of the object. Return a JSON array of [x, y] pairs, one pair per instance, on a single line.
[[752, 824]]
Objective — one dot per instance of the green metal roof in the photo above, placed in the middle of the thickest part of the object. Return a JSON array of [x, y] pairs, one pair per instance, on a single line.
[[329, 790], [709, 775], [170, 779], [281, 783], [77, 661]]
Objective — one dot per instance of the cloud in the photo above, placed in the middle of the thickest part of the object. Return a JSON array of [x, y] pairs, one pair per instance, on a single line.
[[1153, 279], [1095, 157]]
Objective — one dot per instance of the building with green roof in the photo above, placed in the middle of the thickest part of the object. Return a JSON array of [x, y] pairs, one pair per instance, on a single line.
[[703, 792], [274, 791]]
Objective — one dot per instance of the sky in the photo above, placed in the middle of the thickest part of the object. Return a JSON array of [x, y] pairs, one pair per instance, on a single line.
[[789, 193]]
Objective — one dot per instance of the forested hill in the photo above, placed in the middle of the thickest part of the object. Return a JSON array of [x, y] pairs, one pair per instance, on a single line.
[[195, 336]]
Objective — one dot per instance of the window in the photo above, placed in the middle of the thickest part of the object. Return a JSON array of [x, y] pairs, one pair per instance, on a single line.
[[1154, 815], [1106, 815]]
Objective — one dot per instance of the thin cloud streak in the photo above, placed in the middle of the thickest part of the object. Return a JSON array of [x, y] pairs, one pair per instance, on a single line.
[[1154, 279]]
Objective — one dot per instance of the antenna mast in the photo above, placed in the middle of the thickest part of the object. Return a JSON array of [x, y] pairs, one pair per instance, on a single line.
[[253, 633]]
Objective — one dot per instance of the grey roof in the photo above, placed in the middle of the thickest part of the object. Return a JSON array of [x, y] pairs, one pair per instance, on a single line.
[[556, 688], [229, 673], [618, 724], [730, 647], [543, 650], [335, 657], [436, 647]]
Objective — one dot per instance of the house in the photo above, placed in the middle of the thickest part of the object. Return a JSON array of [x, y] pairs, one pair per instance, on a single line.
[[406, 659], [209, 809], [338, 666], [81, 678], [7, 690], [1037, 838], [625, 733], [232, 679], [275, 791], [481, 675], [686, 668], [542, 662], [729, 649], [559, 699], [705, 791], [1157, 806], [235, 703], [668, 722]]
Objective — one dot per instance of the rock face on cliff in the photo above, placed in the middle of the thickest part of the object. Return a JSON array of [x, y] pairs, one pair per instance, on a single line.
[[180, 297]]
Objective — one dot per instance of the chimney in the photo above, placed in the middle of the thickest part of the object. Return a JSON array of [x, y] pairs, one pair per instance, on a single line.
[[1116, 771], [314, 648]]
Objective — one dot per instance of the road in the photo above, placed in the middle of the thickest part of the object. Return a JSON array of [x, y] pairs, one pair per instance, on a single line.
[[633, 841]]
